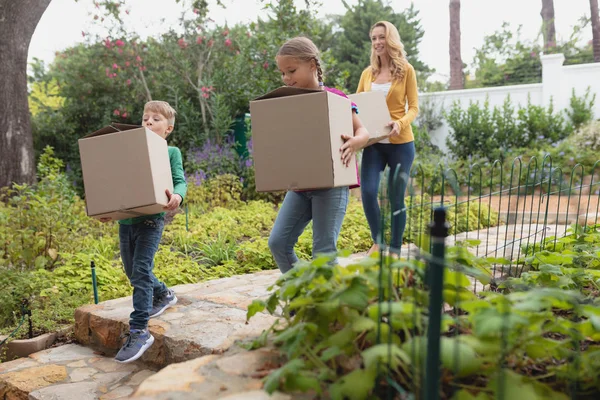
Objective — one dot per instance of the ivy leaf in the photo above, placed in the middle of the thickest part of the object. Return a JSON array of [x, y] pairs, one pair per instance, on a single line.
[[456, 278], [466, 395], [274, 380], [342, 338], [354, 386], [302, 382], [385, 355], [515, 386], [459, 357], [362, 324], [255, 307], [356, 295], [330, 353]]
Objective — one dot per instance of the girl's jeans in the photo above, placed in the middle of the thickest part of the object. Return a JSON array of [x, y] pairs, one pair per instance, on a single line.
[[374, 160], [139, 243], [326, 208]]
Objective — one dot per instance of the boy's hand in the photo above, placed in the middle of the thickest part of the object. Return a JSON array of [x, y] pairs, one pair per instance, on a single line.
[[174, 200], [349, 147], [105, 219]]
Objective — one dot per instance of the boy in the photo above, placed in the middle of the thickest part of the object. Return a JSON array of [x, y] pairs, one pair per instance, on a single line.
[[139, 238]]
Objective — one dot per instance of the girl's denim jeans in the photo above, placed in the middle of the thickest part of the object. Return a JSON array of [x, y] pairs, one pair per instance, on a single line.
[[326, 208]]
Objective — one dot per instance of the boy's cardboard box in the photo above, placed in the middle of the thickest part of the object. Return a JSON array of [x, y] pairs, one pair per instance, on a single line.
[[374, 114], [296, 138], [126, 170]]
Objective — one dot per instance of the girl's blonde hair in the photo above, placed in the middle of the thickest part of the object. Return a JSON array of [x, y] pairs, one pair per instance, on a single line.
[[395, 50], [303, 49]]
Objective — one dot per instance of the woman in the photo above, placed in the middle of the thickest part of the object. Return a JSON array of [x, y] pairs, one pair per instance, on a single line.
[[391, 73]]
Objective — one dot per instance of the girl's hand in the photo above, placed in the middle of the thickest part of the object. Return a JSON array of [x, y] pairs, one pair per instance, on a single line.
[[105, 219], [395, 128], [174, 200], [349, 148]]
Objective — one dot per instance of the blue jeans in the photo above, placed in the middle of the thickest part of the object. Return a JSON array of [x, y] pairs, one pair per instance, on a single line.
[[139, 243], [326, 208], [374, 160]]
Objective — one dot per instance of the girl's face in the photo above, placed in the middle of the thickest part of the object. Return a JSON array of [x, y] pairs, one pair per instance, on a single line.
[[378, 40], [298, 73]]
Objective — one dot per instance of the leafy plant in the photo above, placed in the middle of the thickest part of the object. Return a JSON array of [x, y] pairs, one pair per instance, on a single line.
[[581, 108]]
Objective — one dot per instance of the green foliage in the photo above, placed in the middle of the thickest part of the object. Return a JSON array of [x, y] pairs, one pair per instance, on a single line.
[[481, 132], [581, 108], [354, 325], [505, 58], [352, 48], [220, 191]]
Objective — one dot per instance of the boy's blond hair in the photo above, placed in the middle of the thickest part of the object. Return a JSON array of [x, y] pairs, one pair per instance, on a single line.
[[163, 108]]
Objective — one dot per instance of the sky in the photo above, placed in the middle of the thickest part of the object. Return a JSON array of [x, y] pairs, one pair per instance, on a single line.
[[64, 21]]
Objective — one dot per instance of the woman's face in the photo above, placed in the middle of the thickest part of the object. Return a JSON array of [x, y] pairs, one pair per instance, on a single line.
[[378, 40]]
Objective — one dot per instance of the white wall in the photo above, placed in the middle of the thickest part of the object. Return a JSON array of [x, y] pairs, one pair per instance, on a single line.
[[557, 84]]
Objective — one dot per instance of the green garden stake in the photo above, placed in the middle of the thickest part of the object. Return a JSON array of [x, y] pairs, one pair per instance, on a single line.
[[187, 226], [94, 283], [439, 230]]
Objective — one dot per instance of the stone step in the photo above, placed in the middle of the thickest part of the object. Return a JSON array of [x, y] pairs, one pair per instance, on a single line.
[[235, 375], [70, 372], [208, 318]]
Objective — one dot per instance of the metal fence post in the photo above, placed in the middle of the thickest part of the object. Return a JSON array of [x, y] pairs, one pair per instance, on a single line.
[[439, 230], [94, 282]]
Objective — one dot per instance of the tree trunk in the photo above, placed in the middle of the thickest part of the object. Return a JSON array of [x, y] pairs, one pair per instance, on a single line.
[[456, 65], [595, 29], [18, 20], [548, 25]]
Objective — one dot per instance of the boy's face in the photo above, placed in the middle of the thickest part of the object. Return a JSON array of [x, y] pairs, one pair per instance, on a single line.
[[157, 123]]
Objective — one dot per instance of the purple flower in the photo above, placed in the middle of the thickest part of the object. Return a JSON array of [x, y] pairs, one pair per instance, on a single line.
[[248, 163], [541, 137], [562, 153]]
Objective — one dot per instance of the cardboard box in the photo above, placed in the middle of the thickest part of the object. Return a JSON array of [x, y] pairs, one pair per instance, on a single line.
[[126, 170], [374, 114], [296, 137]]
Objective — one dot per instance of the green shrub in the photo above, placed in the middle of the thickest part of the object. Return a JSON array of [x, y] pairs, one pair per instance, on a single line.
[[581, 109]]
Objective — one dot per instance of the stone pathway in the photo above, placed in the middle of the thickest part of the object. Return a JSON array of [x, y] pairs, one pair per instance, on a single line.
[[194, 341], [70, 372]]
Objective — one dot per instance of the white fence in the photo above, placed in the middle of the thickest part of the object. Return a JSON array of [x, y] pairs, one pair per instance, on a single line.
[[558, 81]]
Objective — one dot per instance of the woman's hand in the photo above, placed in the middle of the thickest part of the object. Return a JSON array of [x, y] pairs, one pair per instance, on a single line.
[[395, 128], [105, 219]]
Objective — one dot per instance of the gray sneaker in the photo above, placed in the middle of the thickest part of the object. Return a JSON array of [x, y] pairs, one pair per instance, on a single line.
[[138, 341], [159, 305]]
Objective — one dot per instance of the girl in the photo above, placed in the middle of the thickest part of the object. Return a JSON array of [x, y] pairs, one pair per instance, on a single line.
[[298, 61], [391, 73]]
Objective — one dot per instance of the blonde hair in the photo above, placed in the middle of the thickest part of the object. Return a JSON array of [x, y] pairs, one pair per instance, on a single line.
[[395, 50], [163, 108], [303, 49]]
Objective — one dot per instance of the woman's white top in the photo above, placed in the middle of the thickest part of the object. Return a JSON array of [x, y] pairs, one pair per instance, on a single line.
[[382, 87]]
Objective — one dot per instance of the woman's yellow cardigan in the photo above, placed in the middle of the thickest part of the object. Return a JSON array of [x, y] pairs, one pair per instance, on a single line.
[[396, 100]]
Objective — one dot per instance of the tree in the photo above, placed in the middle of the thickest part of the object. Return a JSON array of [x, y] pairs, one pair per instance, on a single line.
[[18, 20], [595, 29], [548, 28], [456, 65], [352, 47]]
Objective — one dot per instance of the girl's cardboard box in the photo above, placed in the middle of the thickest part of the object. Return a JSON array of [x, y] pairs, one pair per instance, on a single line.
[[126, 170], [296, 138]]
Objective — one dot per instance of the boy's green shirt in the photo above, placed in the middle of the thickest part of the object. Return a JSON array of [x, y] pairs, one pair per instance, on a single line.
[[179, 185]]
